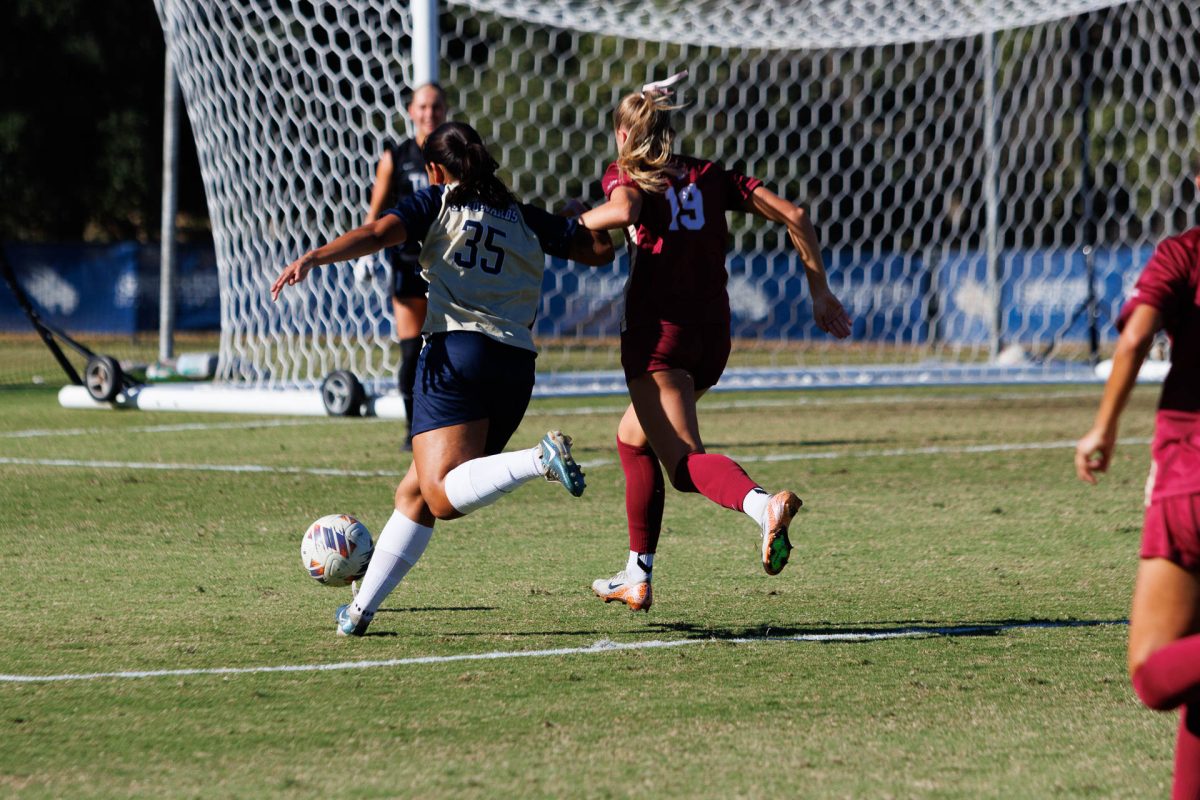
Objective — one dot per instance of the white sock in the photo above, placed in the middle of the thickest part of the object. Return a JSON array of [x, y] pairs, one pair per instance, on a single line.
[[399, 547], [482, 481], [754, 504], [639, 566]]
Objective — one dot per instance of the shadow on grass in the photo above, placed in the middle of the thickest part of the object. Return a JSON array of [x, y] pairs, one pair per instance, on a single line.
[[834, 632], [827, 632], [434, 608]]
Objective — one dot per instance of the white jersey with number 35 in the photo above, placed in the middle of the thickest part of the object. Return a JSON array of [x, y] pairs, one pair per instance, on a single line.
[[484, 265]]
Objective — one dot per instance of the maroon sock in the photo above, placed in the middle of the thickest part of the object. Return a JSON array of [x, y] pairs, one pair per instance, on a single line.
[[644, 492], [1186, 785], [717, 477], [1170, 677]]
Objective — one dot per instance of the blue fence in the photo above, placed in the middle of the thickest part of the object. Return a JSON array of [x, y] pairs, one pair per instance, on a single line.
[[894, 298]]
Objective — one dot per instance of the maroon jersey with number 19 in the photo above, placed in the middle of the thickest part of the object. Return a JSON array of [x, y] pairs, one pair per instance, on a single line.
[[1170, 283], [677, 246]]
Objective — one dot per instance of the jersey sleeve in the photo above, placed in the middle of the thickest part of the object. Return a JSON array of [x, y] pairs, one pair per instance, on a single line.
[[613, 177], [1163, 283], [418, 211], [741, 187], [554, 233]]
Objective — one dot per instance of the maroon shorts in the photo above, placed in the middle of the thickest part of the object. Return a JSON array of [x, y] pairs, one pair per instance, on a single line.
[[1172, 530], [701, 350]]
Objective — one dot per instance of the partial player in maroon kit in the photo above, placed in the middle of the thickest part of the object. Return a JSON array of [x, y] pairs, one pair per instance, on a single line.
[[1164, 623], [675, 337]]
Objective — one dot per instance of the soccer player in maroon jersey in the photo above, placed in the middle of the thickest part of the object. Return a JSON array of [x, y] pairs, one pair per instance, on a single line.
[[675, 337], [1164, 623]]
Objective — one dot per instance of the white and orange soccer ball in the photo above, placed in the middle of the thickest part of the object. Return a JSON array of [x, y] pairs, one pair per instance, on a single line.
[[336, 550]]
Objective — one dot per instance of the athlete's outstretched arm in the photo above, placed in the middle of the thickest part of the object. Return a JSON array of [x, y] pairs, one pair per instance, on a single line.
[[370, 238], [623, 208], [1094, 451], [827, 309]]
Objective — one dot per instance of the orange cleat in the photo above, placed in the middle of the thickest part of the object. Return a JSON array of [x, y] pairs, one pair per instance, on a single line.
[[638, 595], [776, 547]]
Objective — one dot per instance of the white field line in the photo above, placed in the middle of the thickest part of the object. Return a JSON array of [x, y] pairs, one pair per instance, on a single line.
[[710, 404], [167, 466], [35, 433], [602, 646], [828, 455]]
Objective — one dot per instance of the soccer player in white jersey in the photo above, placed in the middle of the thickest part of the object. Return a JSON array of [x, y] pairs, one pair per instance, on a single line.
[[483, 254]]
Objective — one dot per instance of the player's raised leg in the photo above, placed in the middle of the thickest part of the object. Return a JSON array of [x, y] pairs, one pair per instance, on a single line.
[[665, 404], [454, 486]]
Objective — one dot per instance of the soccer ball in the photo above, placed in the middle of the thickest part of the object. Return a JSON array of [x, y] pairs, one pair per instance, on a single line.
[[336, 549]]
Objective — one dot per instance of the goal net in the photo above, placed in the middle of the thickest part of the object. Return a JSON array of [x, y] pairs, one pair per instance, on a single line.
[[986, 178]]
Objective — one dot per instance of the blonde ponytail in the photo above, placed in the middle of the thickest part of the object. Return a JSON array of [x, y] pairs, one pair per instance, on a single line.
[[646, 154]]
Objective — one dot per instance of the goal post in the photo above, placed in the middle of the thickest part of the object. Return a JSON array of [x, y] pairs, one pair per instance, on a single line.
[[986, 178]]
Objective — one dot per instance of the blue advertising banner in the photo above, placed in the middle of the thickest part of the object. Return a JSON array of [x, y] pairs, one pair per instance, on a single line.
[[1042, 294], [896, 298], [109, 288]]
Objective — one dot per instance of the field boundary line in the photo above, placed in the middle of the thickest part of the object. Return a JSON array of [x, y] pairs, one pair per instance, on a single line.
[[171, 466], [178, 427], [828, 455], [600, 647]]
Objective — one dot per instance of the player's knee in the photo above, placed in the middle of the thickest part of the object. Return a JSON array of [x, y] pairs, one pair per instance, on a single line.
[[1147, 688], [681, 477], [441, 508], [439, 505]]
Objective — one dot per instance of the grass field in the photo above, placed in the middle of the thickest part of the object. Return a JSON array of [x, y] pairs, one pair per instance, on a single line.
[[145, 542]]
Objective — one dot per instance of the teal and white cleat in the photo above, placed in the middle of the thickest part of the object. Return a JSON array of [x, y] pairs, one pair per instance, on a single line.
[[350, 623], [559, 465]]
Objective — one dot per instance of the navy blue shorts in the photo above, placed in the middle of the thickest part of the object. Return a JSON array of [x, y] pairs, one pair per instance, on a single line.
[[463, 376], [406, 275]]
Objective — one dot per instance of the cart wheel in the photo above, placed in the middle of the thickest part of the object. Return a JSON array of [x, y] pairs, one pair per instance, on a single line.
[[342, 394], [102, 377]]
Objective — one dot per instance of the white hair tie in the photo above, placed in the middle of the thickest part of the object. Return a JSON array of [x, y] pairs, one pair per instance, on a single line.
[[664, 86]]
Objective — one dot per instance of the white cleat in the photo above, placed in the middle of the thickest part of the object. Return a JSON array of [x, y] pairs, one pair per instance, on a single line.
[[638, 595]]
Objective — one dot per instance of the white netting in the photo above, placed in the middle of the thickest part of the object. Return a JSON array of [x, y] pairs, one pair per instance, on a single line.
[[968, 164]]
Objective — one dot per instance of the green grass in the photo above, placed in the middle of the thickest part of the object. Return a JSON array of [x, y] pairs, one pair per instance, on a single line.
[[129, 568]]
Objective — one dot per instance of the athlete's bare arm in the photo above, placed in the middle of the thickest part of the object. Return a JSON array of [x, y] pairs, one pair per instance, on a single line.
[[827, 309], [623, 208], [1094, 451], [370, 238]]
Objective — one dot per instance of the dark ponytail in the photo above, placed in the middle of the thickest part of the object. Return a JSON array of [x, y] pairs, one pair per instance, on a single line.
[[458, 148]]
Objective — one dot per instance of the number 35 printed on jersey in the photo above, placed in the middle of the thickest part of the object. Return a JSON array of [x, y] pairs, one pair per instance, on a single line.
[[479, 234], [687, 207]]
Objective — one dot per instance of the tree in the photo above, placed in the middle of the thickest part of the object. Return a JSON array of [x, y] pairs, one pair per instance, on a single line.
[[81, 122]]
